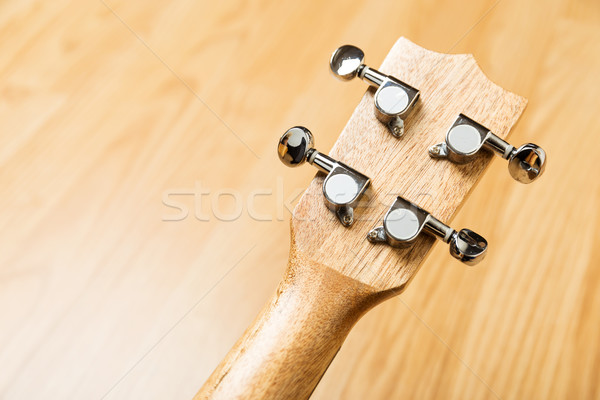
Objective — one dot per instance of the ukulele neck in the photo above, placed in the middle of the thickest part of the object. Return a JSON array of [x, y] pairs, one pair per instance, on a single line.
[[291, 343]]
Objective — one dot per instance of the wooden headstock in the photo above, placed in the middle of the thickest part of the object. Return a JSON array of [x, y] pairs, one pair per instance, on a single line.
[[449, 85], [335, 275]]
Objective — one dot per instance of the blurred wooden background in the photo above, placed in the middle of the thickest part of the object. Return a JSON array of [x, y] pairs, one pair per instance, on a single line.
[[112, 110]]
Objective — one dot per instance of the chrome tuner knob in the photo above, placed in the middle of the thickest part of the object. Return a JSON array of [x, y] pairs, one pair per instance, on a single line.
[[294, 146], [404, 221], [393, 99], [466, 137], [343, 186]]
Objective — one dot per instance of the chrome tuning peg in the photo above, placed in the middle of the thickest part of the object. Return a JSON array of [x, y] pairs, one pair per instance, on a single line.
[[393, 98], [343, 185], [404, 221], [466, 137]]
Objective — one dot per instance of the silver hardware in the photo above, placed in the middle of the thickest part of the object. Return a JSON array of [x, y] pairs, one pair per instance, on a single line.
[[404, 222], [466, 137], [343, 185], [393, 98]]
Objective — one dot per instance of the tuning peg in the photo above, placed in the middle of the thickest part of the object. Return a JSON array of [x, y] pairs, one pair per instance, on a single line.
[[466, 137], [404, 221], [343, 185], [393, 98]]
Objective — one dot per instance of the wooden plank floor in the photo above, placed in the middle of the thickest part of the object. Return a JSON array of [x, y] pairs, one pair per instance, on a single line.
[[114, 112]]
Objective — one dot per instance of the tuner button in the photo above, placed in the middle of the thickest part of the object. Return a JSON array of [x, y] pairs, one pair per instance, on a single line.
[[467, 137], [294, 146], [342, 187], [468, 247], [393, 98], [405, 221], [346, 62], [527, 163]]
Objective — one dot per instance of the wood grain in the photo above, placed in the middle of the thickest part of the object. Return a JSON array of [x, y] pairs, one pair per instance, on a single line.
[[99, 297]]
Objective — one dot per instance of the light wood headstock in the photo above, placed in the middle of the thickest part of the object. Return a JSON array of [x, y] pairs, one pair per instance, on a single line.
[[449, 85]]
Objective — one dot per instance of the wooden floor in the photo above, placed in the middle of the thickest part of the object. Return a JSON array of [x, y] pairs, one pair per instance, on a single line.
[[117, 115]]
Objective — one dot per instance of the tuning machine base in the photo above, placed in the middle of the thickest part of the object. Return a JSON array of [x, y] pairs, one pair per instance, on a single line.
[[343, 186], [393, 99], [404, 221], [466, 137]]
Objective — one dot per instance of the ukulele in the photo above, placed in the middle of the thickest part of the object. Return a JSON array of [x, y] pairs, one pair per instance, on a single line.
[[358, 238]]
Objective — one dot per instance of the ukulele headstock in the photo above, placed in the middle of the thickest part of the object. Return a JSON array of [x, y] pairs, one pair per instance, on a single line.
[[448, 86]]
